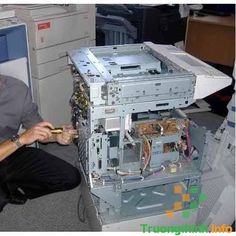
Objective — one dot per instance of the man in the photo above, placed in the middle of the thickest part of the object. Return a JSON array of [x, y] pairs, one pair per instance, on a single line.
[[27, 172]]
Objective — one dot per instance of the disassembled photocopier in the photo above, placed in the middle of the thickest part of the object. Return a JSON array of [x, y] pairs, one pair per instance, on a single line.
[[135, 144]]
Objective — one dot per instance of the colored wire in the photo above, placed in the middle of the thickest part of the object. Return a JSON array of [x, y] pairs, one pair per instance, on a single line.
[[188, 142], [149, 152]]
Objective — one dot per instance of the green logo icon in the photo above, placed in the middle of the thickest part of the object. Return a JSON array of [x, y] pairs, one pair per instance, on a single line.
[[186, 197]]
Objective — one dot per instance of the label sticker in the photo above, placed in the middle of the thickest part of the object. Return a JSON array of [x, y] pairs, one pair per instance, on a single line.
[[44, 25]]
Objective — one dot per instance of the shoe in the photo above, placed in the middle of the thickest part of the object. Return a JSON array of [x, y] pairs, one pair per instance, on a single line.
[[3, 198], [18, 198], [3, 203]]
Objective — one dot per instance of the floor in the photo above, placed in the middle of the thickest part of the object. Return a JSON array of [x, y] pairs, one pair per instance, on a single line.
[[54, 212], [58, 212]]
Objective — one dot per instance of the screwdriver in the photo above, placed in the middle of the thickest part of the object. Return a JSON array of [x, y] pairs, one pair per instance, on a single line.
[[57, 130]]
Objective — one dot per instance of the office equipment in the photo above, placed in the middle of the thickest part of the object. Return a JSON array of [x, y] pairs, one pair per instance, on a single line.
[[14, 48], [53, 30], [136, 147]]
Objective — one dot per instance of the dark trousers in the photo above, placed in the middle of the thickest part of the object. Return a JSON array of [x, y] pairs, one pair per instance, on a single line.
[[36, 172]]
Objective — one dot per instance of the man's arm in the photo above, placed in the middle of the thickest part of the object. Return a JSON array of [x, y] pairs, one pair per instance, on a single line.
[[7, 148], [30, 117], [63, 138], [39, 132]]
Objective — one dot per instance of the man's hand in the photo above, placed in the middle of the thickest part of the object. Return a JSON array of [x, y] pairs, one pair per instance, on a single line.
[[39, 132], [67, 135]]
